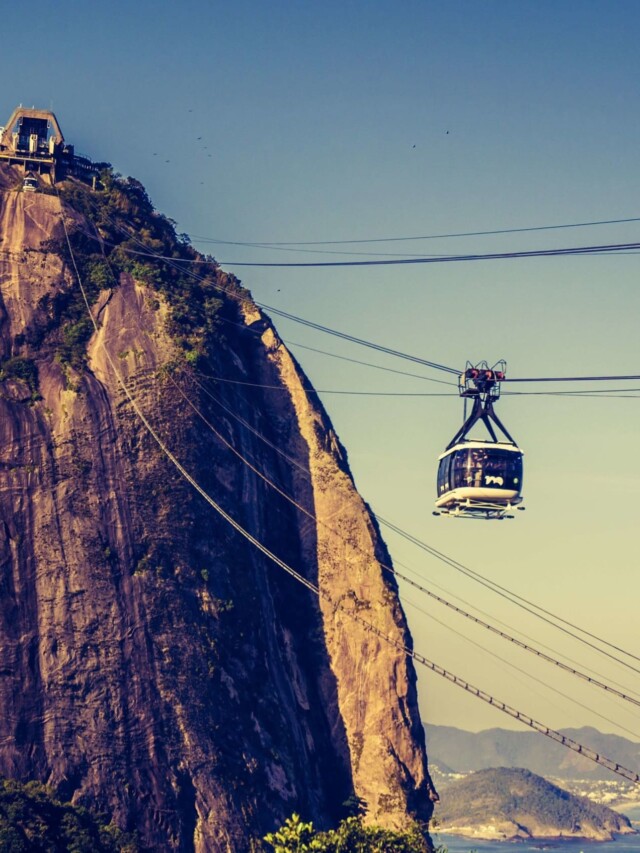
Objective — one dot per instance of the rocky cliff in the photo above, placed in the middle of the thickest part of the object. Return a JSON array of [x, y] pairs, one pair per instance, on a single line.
[[155, 665]]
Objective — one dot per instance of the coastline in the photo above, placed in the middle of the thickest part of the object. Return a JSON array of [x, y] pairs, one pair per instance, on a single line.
[[459, 844], [468, 834]]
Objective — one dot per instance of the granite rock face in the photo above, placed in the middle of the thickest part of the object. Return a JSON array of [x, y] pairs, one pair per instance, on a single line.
[[153, 663]]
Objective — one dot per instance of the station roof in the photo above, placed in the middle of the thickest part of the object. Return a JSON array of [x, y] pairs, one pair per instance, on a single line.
[[25, 112]]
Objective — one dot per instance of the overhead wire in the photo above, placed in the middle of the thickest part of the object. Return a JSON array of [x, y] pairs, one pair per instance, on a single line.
[[305, 473], [431, 364], [360, 341], [518, 669], [248, 330], [587, 392], [330, 391], [454, 384], [444, 236], [357, 393], [331, 251], [509, 379], [337, 605], [611, 392], [368, 364], [296, 246], [611, 248], [605, 249], [604, 396], [520, 601]]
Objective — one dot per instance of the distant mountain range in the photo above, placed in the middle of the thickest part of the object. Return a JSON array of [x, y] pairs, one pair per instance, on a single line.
[[512, 803], [456, 750]]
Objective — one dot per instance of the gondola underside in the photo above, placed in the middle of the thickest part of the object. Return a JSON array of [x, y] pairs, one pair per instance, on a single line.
[[472, 502]]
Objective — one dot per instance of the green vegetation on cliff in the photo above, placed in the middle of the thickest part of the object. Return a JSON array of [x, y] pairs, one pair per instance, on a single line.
[[121, 234], [32, 820], [22, 369]]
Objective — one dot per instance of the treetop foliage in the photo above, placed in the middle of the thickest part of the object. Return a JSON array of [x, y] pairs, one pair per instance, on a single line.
[[351, 836], [32, 820], [123, 233]]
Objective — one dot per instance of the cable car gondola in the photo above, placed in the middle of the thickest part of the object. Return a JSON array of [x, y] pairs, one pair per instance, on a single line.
[[480, 478], [30, 183]]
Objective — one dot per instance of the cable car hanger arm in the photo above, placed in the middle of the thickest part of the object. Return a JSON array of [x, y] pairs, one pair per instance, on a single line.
[[483, 411]]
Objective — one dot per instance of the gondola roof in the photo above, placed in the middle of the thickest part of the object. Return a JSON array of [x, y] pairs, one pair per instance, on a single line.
[[476, 443]]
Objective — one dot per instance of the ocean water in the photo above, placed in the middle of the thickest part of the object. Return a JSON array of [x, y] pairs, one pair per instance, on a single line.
[[623, 844]]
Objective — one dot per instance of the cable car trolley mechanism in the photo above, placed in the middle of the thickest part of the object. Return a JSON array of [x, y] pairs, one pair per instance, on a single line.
[[480, 478]]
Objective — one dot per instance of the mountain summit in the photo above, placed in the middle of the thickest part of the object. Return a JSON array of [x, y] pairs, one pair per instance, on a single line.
[[155, 665]]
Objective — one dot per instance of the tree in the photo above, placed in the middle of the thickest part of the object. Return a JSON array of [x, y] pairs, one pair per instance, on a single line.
[[351, 836], [294, 836]]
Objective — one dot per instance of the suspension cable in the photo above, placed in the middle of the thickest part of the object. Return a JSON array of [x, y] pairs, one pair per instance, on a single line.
[[615, 393], [395, 259], [393, 571], [316, 391], [611, 248], [518, 669], [518, 600], [389, 351], [443, 259], [427, 237], [305, 473], [365, 363], [453, 384]]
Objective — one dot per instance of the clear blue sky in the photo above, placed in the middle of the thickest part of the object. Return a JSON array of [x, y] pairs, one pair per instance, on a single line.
[[354, 120]]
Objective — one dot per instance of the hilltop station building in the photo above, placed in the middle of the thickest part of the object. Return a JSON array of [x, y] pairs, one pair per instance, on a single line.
[[33, 139]]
